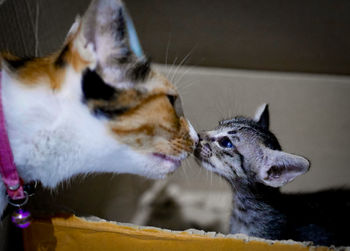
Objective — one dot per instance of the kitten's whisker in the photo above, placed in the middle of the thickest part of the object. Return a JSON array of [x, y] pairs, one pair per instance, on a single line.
[[220, 111]]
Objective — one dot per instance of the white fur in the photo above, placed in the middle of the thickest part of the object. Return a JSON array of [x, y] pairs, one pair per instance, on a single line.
[[54, 136]]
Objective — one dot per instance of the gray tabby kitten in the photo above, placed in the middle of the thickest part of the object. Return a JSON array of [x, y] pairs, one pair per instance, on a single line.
[[245, 153]]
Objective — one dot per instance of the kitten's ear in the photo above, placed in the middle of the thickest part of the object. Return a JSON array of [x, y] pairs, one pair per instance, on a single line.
[[281, 168], [262, 116]]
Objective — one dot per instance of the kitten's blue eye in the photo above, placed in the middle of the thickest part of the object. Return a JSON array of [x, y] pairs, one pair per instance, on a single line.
[[225, 142]]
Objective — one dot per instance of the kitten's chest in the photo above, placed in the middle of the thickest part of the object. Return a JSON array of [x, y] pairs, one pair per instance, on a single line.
[[245, 221], [257, 219]]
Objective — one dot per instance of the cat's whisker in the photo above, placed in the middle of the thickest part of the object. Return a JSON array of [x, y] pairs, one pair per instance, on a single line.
[[172, 70], [167, 50], [185, 173], [183, 74], [166, 57], [185, 86], [182, 62]]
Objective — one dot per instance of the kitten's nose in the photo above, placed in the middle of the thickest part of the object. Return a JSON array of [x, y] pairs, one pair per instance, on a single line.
[[207, 146], [206, 151], [201, 136], [203, 149]]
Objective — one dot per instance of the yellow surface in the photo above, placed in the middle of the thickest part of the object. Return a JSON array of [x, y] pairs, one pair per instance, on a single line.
[[73, 233]]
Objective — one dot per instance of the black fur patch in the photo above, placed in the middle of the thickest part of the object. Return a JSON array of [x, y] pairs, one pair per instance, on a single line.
[[121, 25], [18, 63], [140, 71], [108, 112], [95, 88], [60, 61], [125, 57], [232, 132]]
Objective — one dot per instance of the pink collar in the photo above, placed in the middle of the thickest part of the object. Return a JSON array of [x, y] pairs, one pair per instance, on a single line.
[[8, 169]]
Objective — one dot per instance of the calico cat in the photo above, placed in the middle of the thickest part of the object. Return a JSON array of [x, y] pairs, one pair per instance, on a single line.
[[245, 153], [93, 106]]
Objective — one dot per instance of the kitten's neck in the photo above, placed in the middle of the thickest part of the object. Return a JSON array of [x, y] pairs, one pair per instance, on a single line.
[[253, 211], [254, 191]]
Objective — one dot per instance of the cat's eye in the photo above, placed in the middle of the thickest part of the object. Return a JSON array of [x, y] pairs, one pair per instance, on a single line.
[[171, 99], [225, 142]]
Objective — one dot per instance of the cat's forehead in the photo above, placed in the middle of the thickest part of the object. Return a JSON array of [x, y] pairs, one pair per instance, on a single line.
[[157, 83]]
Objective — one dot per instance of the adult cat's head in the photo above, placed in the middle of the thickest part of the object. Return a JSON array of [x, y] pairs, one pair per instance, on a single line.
[[94, 106], [244, 151]]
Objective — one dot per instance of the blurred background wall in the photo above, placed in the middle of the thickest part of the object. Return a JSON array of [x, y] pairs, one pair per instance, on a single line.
[[234, 55], [300, 35]]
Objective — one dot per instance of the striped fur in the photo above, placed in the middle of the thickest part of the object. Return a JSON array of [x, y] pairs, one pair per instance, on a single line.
[[255, 166], [245, 153]]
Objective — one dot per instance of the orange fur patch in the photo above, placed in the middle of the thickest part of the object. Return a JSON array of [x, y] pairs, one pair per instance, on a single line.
[[38, 69], [46, 69], [76, 60], [153, 123], [144, 129]]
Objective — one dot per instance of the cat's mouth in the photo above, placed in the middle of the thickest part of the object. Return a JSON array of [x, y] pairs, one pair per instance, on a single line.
[[176, 161]]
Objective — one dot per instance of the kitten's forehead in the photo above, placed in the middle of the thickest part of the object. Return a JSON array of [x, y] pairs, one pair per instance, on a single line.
[[238, 125], [249, 128]]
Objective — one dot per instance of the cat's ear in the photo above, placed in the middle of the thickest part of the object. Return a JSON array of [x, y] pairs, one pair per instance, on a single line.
[[281, 168], [262, 116], [104, 25], [108, 30]]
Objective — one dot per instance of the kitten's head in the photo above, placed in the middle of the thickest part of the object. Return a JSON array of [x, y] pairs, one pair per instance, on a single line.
[[244, 150], [98, 71]]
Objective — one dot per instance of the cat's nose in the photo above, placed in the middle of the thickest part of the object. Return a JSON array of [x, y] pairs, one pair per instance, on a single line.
[[193, 134]]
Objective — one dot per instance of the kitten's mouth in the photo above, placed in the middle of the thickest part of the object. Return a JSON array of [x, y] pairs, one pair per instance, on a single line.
[[203, 151], [171, 159]]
